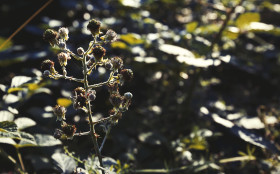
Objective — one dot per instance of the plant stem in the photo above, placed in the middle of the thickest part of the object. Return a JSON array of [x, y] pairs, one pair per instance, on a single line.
[[92, 130], [103, 142], [20, 160]]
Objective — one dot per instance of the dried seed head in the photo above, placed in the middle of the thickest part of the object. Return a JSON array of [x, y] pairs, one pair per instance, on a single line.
[[98, 53], [94, 27], [48, 65], [60, 112], [111, 36], [80, 91], [69, 130], [126, 74], [116, 100], [113, 88], [51, 36], [128, 95], [80, 51], [62, 58], [63, 33], [79, 98], [117, 63]]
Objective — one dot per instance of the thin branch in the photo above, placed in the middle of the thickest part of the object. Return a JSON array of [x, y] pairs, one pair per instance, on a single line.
[[103, 142], [73, 54], [20, 160], [82, 133], [25, 23], [59, 76], [103, 83]]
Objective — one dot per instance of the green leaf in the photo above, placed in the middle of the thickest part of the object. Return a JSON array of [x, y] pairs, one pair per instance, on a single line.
[[64, 102], [24, 122], [64, 163], [26, 140], [190, 27], [8, 129], [7, 45], [244, 20], [46, 140], [19, 80]]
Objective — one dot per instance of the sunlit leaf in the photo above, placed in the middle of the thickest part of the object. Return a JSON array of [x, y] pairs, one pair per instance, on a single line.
[[132, 38], [26, 140], [244, 20], [19, 80], [46, 140], [10, 99], [190, 27], [8, 129], [231, 32], [33, 86], [176, 50], [151, 138], [11, 90], [64, 163], [6, 116], [64, 102], [119, 45], [24, 122]]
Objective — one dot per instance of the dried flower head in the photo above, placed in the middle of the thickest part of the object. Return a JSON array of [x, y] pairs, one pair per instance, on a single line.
[[126, 75], [60, 112], [117, 63], [58, 133], [48, 65], [94, 27], [63, 33], [79, 98], [62, 58], [69, 130], [113, 88], [51, 36], [116, 100], [98, 53], [110, 36]]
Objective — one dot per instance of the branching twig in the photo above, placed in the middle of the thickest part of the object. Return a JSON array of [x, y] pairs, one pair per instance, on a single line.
[[103, 142]]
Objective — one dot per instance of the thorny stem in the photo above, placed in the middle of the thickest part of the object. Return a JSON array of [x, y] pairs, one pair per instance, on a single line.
[[58, 76], [103, 83], [73, 54], [20, 160], [92, 130]]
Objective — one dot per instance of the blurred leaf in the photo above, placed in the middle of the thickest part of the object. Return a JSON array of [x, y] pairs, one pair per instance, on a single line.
[[10, 99], [119, 45], [65, 164], [46, 140], [26, 140], [7, 45], [8, 126], [176, 50], [239, 158], [151, 138], [19, 80], [3, 88], [190, 27], [24, 122], [244, 20], [132, 38], [6, 116], [231, 33], [7, 141], [64, 102], [33, 86], [11, 90]]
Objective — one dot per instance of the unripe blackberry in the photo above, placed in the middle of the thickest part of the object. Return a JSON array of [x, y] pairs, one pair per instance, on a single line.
[[98, 53], [69, 130], [51, 36], [109, 65], [117, 63], [128, 95], [46, 73], [80, 51], [62, 58], [126, 74], [57, 133], [94, 27], [62, 45], [60, 112], [63, 33], [92, 95]]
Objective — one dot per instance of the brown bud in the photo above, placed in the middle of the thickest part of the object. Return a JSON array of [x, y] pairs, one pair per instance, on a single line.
[[48, 65], [51, 36], [62, 58], [98, 53], [117, 63], [60, 112], [94, 27], [116, 100], [69, 130], [126, 74]]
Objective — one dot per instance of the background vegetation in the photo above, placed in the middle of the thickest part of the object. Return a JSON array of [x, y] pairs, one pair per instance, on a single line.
[[206, 86]]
